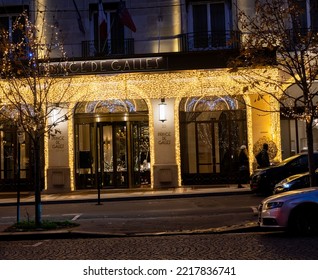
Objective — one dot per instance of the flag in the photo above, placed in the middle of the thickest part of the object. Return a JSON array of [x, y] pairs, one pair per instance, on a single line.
[[79, 19], [102, 22], [125, 18]]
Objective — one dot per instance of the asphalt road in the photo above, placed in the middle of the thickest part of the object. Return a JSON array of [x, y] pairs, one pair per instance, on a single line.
[[150, 215], [174, 214]]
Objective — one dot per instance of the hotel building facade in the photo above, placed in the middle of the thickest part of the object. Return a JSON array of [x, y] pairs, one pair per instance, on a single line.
[[154, 104]]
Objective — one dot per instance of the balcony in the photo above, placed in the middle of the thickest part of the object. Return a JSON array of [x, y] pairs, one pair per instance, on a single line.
[[207, 41], [188, 42], [92, 49]]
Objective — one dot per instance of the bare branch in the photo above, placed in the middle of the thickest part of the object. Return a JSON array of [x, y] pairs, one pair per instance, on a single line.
[[274, 38]]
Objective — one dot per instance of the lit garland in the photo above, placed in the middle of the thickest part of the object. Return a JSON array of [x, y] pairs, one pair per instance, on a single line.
[[151, 139], [46, 160], [150, 86], [177, 138], [266, 85], [154, 86], [249, 131], [71, 150], [275, 127]]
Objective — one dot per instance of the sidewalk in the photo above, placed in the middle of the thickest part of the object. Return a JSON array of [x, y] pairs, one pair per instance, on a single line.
[[7, 199], [96, 228]]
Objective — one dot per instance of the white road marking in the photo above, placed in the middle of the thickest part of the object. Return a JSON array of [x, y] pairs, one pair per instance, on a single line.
[[76, 216]]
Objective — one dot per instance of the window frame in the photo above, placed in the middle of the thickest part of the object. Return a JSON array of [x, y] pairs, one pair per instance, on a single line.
[[227, 22], [113, 47]]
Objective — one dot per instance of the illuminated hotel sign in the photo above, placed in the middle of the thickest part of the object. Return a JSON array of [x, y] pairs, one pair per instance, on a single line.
[[109, 66]]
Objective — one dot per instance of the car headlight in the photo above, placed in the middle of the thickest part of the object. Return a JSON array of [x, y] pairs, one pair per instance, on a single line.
[[286, 185], [275, 204]]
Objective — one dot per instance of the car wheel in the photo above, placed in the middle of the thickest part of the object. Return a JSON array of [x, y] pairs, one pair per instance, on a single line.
[[304, 220]]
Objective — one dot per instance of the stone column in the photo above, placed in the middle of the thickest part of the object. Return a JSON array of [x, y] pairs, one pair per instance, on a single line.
[[165, 167], [58, 172]]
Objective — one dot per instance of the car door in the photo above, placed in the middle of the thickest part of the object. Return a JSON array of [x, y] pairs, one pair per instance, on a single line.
[[299, 165]]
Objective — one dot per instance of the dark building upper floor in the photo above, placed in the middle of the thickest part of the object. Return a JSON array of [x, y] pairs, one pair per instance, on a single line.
[[111, 28]]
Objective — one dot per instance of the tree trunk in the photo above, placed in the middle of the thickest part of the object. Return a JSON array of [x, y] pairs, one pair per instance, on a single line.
[[310, 146], [37, 181]]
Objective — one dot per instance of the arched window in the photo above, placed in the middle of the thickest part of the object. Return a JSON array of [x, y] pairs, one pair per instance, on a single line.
[[212, 129], [112, 143]]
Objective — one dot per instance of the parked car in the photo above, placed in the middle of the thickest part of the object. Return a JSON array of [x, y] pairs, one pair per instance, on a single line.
[[294, 182], [264, 180], [296, 211]]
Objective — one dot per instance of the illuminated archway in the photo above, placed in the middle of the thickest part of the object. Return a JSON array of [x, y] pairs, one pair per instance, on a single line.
[[112, 144], [212, 129]]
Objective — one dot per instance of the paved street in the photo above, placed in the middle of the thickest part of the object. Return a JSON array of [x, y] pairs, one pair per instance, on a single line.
[[233, 246], [180, 229], [148, 215]]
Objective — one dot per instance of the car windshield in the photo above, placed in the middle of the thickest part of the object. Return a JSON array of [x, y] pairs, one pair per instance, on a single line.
[[287, 160]]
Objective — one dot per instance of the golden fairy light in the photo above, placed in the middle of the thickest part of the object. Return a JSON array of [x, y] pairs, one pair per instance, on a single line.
[[148, 86]]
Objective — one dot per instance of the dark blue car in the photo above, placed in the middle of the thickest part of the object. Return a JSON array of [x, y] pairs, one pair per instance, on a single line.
[[264, 180], [294, 182]]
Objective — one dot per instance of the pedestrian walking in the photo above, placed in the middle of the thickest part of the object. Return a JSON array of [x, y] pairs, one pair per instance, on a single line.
[[243, 167], [262, 157]]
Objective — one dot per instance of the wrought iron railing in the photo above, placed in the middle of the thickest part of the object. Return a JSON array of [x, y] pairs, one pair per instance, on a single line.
[[107, 48], [205, 41], [188, 42]]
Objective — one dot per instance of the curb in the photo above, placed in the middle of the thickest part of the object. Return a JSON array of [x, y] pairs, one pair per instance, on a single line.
[[72, 234], [128, 198]]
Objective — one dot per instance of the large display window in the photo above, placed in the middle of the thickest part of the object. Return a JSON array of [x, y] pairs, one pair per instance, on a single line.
[[15, 159]]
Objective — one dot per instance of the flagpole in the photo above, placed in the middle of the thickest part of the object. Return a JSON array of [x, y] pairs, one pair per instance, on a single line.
[[108, 51], [159, 30], [100, 10]]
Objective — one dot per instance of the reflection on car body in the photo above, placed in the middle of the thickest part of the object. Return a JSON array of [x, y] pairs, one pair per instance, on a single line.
[[296, 211]]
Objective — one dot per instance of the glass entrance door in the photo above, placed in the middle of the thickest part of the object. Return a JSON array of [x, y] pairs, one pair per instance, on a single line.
[[208, 157], [113, 155], [112, 144]]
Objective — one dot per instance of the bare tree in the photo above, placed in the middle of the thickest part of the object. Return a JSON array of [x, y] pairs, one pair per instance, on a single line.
[[28, 87], [274, 37]]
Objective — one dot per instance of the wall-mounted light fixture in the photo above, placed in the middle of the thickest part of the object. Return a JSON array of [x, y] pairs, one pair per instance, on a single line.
[[162, 110]]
